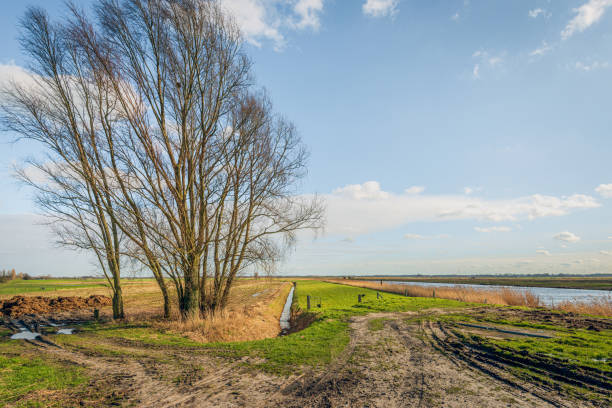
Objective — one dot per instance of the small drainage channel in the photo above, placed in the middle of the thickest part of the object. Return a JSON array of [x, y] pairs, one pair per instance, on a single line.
[[285, 325]]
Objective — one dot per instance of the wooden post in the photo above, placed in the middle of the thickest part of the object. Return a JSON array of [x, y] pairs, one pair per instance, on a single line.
[[405, 292], [358, 298], [308, 302], [434, 293], [96, 314]]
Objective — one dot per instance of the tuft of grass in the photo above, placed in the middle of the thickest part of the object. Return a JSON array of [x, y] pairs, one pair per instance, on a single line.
[[376, 324]]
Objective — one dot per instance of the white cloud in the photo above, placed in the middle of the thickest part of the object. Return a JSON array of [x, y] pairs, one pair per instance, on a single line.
[[476, 71], [485, 61], [493, 61], [266, 20], [414, 190], [543, 49], [535, 12], [364, 208], [605, 190], [423, 237], [539, 12], [309, 13], [370, 190], [493, 229], [455, 17], [605, 252], [567, 237], [14, 74], [580, 66], [471, 190], [586, 15], [543, 252], [380, 8]]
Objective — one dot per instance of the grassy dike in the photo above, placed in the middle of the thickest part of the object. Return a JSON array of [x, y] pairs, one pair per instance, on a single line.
[[316, 345], [328, 335]]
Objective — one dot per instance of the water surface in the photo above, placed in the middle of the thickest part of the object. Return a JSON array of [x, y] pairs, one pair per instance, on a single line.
[[548, 296]]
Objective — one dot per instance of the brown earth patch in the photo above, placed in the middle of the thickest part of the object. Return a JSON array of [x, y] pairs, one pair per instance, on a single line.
[[39, 305]]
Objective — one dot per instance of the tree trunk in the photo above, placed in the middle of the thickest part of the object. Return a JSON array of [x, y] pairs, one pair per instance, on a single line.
[[164, 290], [118, 304], [190, 303]]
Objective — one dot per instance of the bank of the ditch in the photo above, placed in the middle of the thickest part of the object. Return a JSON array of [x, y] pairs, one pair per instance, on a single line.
[[328, 333]]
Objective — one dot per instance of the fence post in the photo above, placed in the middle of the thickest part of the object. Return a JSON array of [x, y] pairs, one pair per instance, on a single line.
[[96, 314], [308, 302], [405, 292], [434, 293]]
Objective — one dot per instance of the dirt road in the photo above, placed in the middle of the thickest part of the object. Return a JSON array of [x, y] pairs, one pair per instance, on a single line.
[[390, 362]]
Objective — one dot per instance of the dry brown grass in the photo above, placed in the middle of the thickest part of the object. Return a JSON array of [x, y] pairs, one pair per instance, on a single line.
[[597, 306], [245, 317]]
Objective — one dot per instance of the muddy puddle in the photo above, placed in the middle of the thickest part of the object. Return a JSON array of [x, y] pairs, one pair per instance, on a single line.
[[31, 330]]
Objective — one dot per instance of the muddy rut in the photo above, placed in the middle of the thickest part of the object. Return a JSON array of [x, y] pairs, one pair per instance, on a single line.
[[394, 363]]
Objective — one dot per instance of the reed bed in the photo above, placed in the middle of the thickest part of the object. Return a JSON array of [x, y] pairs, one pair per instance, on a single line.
[[502, 296], [596, 306]]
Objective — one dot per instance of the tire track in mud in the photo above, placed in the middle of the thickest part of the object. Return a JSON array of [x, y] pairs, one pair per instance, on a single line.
[[435, 361], [496, 364], [403, 369]]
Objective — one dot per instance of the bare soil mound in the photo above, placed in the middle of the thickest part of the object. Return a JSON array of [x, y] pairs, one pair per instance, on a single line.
[[38, 305]]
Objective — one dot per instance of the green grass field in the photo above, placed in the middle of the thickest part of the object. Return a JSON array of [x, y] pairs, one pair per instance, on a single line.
[[18, 286]]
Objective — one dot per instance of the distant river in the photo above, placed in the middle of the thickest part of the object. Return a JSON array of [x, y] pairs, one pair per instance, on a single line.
[[549, 296]]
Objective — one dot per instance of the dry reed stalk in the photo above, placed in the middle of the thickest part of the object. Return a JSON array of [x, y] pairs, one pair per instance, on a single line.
[[597, 306]]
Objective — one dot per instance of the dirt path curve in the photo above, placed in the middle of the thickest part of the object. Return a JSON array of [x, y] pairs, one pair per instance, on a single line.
[[396, 366], [388, 363]]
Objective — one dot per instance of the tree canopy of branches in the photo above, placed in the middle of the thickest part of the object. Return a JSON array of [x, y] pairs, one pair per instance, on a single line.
[[161, 149]]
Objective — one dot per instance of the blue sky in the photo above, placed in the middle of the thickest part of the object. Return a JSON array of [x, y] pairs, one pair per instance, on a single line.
[[446, 136]]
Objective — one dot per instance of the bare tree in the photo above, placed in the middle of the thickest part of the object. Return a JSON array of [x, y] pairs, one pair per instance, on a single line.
[[179, 154], [64, 108]]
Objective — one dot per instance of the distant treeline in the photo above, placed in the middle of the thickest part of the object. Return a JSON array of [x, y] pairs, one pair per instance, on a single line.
[[10, 274]]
